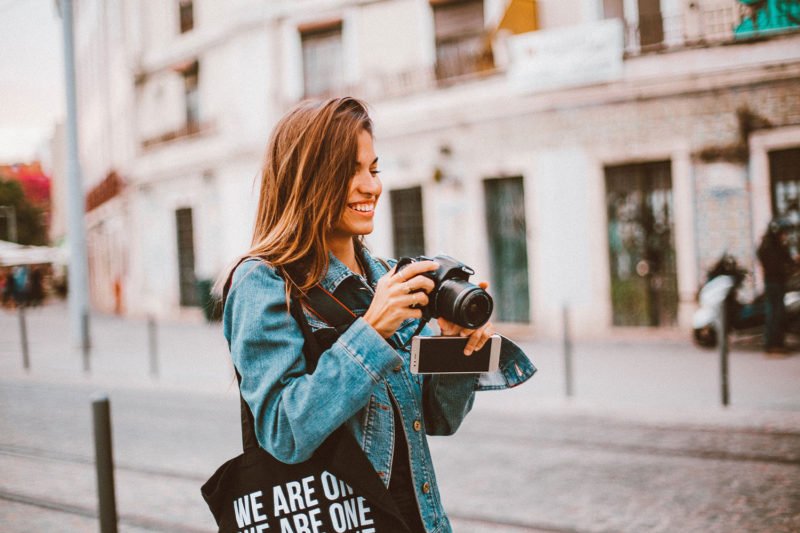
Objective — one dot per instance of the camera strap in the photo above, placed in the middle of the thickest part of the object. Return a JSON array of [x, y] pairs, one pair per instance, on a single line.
[[328, 308]]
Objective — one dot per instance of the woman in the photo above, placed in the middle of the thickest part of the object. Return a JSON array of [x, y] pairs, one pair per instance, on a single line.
[[318, 195]]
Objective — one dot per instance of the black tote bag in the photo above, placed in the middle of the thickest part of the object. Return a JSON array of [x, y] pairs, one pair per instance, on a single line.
[[336, 490]]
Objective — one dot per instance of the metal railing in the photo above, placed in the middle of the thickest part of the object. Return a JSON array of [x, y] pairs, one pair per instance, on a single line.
[[701, 23]]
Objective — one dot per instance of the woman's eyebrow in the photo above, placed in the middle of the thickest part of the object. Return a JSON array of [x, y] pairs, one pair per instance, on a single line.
[[358, 163]]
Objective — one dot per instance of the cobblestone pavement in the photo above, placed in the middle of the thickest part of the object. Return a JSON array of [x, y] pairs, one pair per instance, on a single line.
[[643, 446]]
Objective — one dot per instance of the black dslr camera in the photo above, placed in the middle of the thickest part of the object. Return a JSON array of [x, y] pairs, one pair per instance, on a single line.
[[453, 297]]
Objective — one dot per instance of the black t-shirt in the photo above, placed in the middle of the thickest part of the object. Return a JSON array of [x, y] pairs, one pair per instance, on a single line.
[[400, 482]]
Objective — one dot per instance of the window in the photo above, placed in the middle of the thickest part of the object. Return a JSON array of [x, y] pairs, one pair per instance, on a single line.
[[651, 23], [186, 9], [784, 171], [508, 247], [644, 281], [185, 241], [407, 227], [462, 45], [323, 59], [192, 96]]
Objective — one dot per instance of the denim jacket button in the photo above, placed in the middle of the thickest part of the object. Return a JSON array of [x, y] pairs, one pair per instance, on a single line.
[[398, 368], [426, 487], [417, 425]]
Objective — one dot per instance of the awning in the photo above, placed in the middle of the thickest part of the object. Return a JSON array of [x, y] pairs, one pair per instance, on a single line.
[[520, 17], [12, 254]]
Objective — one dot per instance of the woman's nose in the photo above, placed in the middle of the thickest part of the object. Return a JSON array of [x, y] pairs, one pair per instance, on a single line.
[[369, 184]]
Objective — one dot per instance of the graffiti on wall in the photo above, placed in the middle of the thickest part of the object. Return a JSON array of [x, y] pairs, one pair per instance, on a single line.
[[767, 16]]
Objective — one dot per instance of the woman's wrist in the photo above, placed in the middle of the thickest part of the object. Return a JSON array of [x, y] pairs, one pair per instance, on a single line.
[[373, 321]]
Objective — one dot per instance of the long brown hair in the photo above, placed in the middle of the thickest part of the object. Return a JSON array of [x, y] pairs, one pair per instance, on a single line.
[[311, 158]]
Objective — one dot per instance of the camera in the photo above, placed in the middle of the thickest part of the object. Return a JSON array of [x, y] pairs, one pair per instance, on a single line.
[[453, 297]]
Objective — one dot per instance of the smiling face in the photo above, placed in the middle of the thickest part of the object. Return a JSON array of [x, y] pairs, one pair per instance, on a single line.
[[363, 193]]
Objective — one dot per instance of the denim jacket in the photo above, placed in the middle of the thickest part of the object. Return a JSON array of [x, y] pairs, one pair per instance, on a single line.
[[354, 382]]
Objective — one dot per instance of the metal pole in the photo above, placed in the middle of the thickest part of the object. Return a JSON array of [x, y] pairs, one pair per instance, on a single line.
[[85, 344], [152, 342], [567, 353], [104, 462], [23, 335], [723, 353], [76, 233]]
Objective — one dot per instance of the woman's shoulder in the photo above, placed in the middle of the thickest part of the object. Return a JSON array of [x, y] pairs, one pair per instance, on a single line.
[[255, 272]]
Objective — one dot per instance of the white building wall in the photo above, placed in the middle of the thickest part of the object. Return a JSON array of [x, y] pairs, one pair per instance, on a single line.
[[250, 60]]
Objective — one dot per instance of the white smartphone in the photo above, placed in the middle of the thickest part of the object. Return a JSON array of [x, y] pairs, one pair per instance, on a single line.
[[445, 355]]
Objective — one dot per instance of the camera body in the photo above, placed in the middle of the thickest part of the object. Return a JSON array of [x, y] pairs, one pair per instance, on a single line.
[[453, 297]]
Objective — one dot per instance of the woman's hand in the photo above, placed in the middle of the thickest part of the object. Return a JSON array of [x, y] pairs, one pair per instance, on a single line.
[[398, 296], [477, 337]]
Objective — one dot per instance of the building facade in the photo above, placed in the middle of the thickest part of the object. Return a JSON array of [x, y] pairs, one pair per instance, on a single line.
[[595, 154]]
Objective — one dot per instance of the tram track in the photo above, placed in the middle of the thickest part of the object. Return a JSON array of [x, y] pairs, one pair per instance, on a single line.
[[164, 526], [142, 522], [642, 449], [65, 457], [622, 439], [700, 453]]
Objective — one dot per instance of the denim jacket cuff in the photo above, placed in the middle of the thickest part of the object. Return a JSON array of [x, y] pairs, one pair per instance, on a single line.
[[369, 349], [515, 368]]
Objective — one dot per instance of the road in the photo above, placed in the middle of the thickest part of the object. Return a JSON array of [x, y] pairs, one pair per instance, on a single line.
[[552, 468]]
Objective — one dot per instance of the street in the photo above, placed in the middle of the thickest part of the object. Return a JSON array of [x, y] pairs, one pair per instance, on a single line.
[[619, 457]]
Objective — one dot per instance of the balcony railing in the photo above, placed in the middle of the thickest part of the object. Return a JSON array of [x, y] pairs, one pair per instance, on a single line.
[[710, 22], [460, 57]]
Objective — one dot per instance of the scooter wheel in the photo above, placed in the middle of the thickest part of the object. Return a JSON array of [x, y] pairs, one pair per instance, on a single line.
[[705, 337]]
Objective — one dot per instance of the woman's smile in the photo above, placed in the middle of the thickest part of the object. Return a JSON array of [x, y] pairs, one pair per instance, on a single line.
[[363, 208]]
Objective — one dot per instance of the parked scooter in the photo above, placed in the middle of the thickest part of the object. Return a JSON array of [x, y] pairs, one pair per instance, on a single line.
[[721, 291]]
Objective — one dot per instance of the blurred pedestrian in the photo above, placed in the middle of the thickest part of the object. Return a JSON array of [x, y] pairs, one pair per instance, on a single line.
[[21, 284], [778, 265], [8, 287], [36, 286], [319, 190]]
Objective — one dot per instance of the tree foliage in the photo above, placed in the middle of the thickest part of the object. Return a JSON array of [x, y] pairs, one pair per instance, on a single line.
[[31, 223]]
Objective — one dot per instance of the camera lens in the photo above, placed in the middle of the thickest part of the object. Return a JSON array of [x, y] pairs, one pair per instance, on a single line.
[[463, 303], [476, 308]]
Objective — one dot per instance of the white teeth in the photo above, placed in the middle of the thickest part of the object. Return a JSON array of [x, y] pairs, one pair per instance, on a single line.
[[364, 208]]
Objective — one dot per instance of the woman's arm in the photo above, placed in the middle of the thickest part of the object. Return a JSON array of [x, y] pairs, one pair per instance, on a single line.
[[294, 411], [446, 401], [448, 398]]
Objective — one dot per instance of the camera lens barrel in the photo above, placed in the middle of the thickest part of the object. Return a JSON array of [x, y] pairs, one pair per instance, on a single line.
[[463, 303]]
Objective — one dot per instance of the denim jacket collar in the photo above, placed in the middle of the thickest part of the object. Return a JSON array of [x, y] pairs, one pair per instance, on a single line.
[[338, 271]]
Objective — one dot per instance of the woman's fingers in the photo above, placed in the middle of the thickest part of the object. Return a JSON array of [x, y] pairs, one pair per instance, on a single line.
[[417, 299], [417, 283], [478, 338], [448, 328], [414, 269]]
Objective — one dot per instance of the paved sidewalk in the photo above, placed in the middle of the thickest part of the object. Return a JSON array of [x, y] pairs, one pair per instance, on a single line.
[[662, 374], [643, 445]]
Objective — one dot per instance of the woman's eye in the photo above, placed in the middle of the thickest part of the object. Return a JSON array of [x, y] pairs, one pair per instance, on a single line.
[[374, 172]]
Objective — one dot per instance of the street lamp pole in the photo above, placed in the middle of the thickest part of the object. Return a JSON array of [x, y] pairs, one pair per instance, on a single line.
[[12, 221], [78, 299]]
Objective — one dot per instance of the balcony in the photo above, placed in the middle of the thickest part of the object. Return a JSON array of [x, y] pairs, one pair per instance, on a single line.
[[710, 22], [463, 57]]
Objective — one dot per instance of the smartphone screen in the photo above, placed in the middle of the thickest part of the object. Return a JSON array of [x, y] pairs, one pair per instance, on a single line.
[[445, 355]]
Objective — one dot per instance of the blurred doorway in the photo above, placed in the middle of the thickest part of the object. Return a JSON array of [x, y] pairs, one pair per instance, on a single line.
[[408, 229], [644, 281], [784, 174], [508, 248], [186, 277]]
